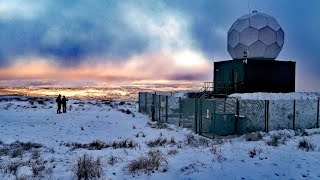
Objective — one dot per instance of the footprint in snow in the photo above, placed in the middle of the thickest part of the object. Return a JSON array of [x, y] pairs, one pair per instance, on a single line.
[[258, 164]]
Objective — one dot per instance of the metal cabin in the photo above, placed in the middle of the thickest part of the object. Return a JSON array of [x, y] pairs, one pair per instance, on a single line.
[[253, 75]]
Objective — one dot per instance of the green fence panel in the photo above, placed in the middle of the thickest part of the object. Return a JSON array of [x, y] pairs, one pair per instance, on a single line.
[[223, 123], [188, 113], [157, 107], [149, 103], [280, 114], [142, 107], [253, 113], [231, 105], [174, 110], [206, 108], [306, 114], [162, 109], [220, 105]]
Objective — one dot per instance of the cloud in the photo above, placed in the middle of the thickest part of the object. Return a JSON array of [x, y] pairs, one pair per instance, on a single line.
[[20, 9], [68, 31], [74, 31], [149, 42], [165, 28], [69, 37]]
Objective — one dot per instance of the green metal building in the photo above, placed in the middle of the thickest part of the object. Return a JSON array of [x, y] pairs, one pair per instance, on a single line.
[[253, 75]]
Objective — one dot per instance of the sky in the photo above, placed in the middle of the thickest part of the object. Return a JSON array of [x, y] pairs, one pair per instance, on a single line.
[[109, 42]]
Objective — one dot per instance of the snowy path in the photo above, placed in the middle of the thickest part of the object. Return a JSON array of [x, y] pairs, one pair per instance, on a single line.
[[101, 120]]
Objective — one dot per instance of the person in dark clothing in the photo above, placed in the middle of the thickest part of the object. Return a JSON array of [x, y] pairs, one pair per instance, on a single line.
[[64, 104], [58, 101]]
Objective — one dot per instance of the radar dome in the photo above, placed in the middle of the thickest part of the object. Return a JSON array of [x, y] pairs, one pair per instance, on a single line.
[[255, 36]]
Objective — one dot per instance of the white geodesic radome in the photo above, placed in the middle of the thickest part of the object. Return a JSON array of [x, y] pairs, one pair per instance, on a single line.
[[257, 35]]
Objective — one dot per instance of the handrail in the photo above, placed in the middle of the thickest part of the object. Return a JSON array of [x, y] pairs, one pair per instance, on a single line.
[[208, 86]]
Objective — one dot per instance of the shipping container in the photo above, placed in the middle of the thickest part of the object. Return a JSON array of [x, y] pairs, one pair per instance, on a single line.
[[254, 75]]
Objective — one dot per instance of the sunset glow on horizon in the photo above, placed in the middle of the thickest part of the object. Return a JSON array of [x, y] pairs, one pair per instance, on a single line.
[[145, 69]]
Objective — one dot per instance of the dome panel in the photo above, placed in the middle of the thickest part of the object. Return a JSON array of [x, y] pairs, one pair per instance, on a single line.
[[258, 21], [267, 36], [257, 50], [232, 27], [233, 38], [247, 16], [265, 15], [231, 52], [241, 25], [272, 22], [249, 36], [272, 51], [239, 50], [280, 37]]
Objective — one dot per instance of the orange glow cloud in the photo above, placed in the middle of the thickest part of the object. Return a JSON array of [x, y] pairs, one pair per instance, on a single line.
[[158, 67]]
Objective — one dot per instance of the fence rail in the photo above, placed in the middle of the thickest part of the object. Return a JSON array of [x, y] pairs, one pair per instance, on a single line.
[[211, 117]]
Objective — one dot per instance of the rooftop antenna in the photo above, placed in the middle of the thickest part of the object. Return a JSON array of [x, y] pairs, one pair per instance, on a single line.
[[249, 6], [245, 54]]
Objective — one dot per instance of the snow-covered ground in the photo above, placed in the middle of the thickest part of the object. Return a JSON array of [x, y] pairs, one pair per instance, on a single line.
[[59, 140]]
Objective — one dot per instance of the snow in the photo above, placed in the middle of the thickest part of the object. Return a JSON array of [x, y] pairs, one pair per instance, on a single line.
[[33, 119], [277, 96], [183, 94]]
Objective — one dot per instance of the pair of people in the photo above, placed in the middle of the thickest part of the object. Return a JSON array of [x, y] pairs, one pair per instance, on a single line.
[[61, 101]]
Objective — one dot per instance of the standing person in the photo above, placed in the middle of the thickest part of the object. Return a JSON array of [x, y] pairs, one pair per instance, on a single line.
[[58, 101], [64, 104]]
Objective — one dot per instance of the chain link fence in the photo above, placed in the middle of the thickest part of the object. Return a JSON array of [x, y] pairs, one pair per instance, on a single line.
[[253, 114], [211, 117], [281, 114]]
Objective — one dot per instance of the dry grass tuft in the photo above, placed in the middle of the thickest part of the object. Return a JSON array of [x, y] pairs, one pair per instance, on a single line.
[[98, 145], [172, 151], [306, 145], [196, 141], [255, 151], [147, 164], [161, 141], [88, 168], [112, 160]]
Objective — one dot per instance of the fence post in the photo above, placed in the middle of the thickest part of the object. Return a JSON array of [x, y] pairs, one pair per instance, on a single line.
[[159, 109], [195, 115], [153, 113], [266, 115], [180, 111], [213, 120], [268, 102], [166, 108], [318, 113], [139, 101], [200, 117], [237, 115], [224, 106], [294, 115], [145, 102]]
